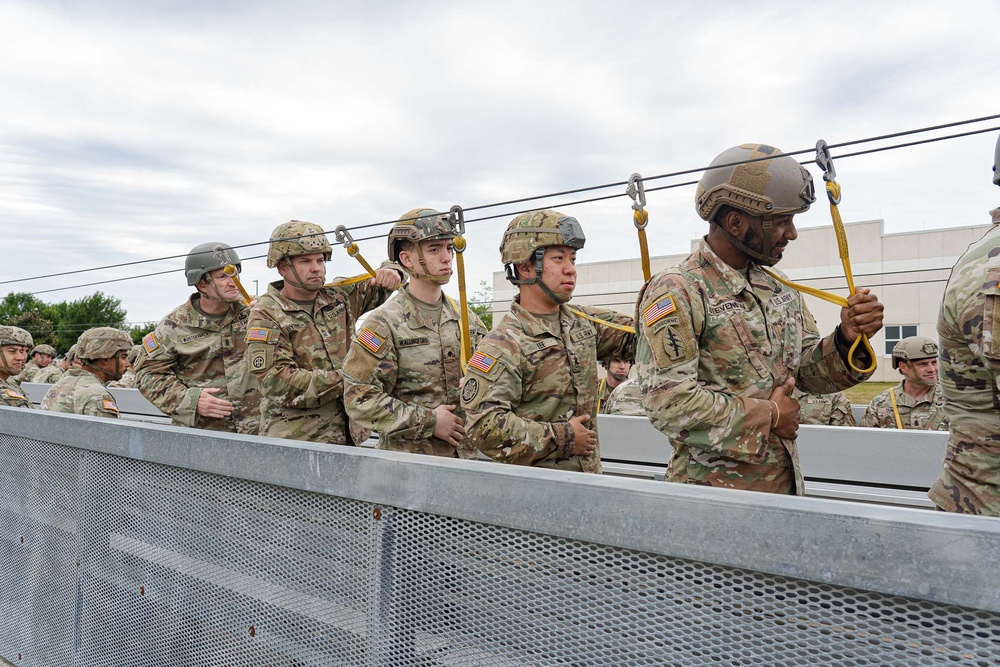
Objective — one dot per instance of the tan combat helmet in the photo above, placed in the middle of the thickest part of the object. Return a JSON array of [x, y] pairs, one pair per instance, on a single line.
[[419, 224], [103, 343], [44, 349], [764, 189], [294, 238], [529, 234], [207, 257], [914, 348], [13, 336]]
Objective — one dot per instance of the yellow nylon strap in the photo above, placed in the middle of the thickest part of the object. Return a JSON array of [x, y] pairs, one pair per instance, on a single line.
[[460, 243], [613, 325], [231, 271], [463, 327], [600, 390], [354, 252], [641, 217], [350, 281], [895, 408]]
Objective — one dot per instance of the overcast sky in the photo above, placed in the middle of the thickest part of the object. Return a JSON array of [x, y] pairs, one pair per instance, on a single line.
[[132, 131]]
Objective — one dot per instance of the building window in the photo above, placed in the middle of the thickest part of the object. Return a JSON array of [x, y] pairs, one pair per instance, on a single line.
[[897, 332]]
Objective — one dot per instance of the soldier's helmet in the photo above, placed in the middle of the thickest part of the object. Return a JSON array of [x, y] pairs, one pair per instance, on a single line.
[[530, 232], [294, 238], [208, 257], [419, 224], [914, 348], [102, 343], [71, 353], [44, 349], [15, 336], [778, 186], [133, 354]]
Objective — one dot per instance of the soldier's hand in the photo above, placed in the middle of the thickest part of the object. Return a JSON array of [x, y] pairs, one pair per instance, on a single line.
[[788, 410], [211, 407], [387, 278], [585, 440], [863, 315], [448, 426]]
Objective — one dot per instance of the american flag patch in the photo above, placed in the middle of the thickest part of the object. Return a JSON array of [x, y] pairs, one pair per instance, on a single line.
[[659, 310], [257, 335], [482, 362], [110, 406], [13, 394], [368, 338], [150, 343]]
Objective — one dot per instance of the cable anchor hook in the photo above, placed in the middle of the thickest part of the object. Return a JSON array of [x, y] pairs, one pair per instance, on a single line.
[[637, 192], [456, 218], [825, 162], [344, 237]]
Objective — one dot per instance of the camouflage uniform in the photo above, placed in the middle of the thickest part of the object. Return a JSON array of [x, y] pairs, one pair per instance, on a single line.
[[714, 344], [527, 379], [190, 351], [80, 392], [29, 370], [48, 375], [12, 396], [127, 381], [824, 409], [603, 394], [969, 332], [626, 399], [925, 413], [405, 362], [296, 352]]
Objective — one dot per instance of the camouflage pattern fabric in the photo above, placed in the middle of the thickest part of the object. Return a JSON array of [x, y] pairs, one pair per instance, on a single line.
[[714, 344], [28, 372], [128, 381], [405, 362], [189, 351], [80, 392], [925, 413], [527, 379], [626, 399], [824, 409], [296, 351], [12, 396], [48, 375], [969, 333]]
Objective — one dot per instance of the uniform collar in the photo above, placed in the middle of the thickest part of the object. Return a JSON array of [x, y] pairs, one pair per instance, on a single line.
[[287, 305], [203, 321], [536, 326], [734, 279], [905, 399], [421, 317]]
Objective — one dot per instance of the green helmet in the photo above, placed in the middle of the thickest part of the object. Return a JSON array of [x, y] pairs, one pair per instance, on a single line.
[[294, 238], [208, 257], [15, 336], [914, 348], [44, 349], [420, 224], [780, 186], [102, 343]]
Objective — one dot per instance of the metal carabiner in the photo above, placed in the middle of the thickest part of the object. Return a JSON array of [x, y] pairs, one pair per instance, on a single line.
[[637, 192], [456, 218], [825, 162], [344, 237]]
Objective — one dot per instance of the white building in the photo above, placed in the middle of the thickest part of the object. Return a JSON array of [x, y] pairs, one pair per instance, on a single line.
[[907, 271]]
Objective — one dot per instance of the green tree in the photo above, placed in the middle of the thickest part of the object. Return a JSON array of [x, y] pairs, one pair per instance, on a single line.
[[481, 303], [138, 331], [21, 309], [96, 310]]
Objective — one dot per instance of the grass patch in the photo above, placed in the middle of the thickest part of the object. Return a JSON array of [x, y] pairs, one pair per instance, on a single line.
[[863, 393]]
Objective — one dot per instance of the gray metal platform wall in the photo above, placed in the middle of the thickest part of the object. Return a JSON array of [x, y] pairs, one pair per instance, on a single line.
[[136, 544]]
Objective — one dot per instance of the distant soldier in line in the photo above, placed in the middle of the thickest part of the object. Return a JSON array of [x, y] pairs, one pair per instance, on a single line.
[[82, 390], [531, 387], [14, 345], [40, 357], [916, 401], [824, 409], [128, 378], [626, 399], [50, 374], [403, 372], [193, 365], [300, 332], [617, 371], [969, 331], [723, 343]]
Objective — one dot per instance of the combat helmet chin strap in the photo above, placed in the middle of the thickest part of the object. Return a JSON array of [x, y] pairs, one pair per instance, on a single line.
[[537, 280], [764, 257], [300, 284], [439, 280]]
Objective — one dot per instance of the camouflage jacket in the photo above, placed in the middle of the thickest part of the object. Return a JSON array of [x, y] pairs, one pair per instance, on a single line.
[[626, 399], [296, 351], [189, 351], [714, 344], [405, 362], [526, 381], [28, 372], [80, 392], [127, 381], [603, 394], [969, 333], [824, 409], [48, 375], [925, 413], [12, 396]]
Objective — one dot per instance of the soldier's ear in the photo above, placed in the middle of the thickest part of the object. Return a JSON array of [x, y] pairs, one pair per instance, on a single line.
[[525, 270], [734, 222]]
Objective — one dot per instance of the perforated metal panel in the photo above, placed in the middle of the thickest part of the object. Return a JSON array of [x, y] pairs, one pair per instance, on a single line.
[[181, 567]]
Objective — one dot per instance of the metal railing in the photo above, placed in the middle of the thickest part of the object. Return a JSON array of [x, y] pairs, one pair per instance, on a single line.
[[137, 544]]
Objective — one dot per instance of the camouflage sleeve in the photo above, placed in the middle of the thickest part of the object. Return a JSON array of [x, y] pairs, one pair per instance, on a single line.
[[272, 361], [843, 413], [369, 378], [490, 396], [612, 343], [477, 330], [364, 296], [157, 381], [871, 419], [99, 405], [823, 368], [671, 319]]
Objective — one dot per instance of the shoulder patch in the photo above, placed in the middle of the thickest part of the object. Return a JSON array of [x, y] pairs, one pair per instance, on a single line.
[[370, 340], [469, 389], [109, 406], [258, 335], [659, 310], [15, 394], [150, 343], [482, 362]]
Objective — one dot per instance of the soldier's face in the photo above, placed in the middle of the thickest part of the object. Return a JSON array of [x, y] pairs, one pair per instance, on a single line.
[[922, 371], [619, 369], [559, 269], [42, 359], [217, 285], [15, 356], [781, 233], [309, 269], [438, 256], [114, 367]]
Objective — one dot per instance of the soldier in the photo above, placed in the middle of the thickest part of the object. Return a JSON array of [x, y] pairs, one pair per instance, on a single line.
[[128, 378], [531, 387], [824, 409], [300, 332], [402, 374], [193, 365], [626, 399], [40, 357], [723, 343], [14, 345], [969, 331], [916, 402], [81, 390], [617, 371], [50, 374]]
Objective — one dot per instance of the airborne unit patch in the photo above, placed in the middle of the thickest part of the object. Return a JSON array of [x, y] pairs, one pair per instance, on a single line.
[[482, 362], [659, 310], [370, 340]]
